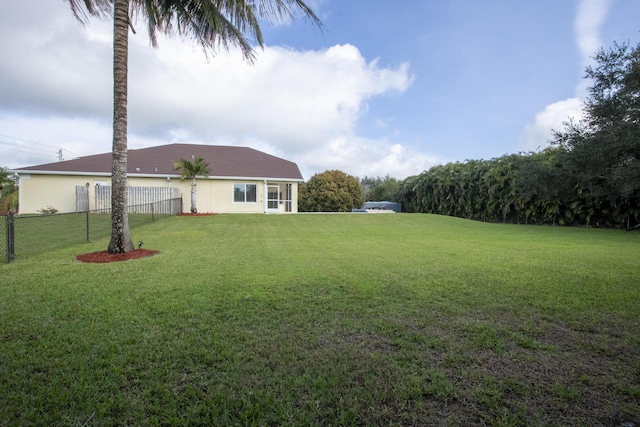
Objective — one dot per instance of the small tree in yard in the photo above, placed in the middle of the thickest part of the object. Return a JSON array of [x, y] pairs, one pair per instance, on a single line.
[[330, 191], [8, 192], [191, 170]]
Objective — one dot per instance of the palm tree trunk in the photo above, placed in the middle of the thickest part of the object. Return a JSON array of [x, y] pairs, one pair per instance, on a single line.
[[193, 196], [120, 235]]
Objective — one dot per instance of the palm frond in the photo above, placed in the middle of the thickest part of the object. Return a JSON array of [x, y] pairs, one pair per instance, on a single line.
[[190, 169], [212, 23], [83, 9], [218, 23]]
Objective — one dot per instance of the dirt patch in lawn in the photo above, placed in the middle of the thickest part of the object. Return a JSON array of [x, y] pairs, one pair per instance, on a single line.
[[197, 214], [104, 256]]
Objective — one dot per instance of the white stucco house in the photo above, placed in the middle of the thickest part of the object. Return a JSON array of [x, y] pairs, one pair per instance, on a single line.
[[241, 179]]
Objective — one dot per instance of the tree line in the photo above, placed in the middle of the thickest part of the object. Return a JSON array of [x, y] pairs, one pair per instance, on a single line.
[[589, 176]]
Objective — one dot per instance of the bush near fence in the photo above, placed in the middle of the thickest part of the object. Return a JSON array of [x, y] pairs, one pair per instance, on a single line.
[[34, 234]]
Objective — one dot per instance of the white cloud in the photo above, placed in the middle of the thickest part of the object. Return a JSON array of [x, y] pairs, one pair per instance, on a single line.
[[364, 157], [590, 16], [292, 97], [537, 135], [301, 105]]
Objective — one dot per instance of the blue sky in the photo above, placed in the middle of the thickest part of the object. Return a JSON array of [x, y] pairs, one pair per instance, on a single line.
[[380, 91]]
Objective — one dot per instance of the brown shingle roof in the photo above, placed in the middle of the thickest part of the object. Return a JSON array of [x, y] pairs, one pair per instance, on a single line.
[[224, 161]]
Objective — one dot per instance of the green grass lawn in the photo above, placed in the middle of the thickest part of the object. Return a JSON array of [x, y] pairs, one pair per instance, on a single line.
[[327, 320]]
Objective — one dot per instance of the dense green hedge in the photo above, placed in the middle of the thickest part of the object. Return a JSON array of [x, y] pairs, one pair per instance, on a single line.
[[589, 176]]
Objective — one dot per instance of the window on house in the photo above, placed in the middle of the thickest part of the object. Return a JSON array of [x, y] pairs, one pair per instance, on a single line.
[[244, 193]]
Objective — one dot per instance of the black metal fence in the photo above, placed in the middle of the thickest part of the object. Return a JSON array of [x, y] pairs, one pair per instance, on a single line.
[[24, 235]]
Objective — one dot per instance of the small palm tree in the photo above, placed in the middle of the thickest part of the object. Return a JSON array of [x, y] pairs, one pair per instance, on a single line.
[[190, 170]]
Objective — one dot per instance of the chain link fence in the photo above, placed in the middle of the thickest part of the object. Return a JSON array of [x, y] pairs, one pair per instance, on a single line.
[[24, 235]]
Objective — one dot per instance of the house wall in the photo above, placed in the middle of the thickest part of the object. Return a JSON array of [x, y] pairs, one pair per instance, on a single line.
[[39, 191], [216, 195]]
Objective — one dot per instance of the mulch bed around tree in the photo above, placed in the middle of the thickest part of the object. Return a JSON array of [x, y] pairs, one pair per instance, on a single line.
[[104, 256]]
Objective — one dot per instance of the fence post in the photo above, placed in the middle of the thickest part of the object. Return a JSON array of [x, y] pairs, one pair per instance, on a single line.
[[153, 219], [10, 237], [87, 225]]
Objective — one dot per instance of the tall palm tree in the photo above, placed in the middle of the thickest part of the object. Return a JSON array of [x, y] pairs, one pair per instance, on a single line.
[[191, 170], [213, 23]]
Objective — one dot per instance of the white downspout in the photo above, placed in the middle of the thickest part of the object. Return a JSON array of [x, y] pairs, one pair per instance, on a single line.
[[264, 196], [19, 191]]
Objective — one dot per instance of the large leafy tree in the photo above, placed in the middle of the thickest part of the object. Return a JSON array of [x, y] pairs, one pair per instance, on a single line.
[[384, 190], [213, 23], [603, 149], [368, 183], [330, 191], [191, 170]]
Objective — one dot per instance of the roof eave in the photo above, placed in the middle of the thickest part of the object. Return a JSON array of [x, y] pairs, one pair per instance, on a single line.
[[153, 175], [45, 172]]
